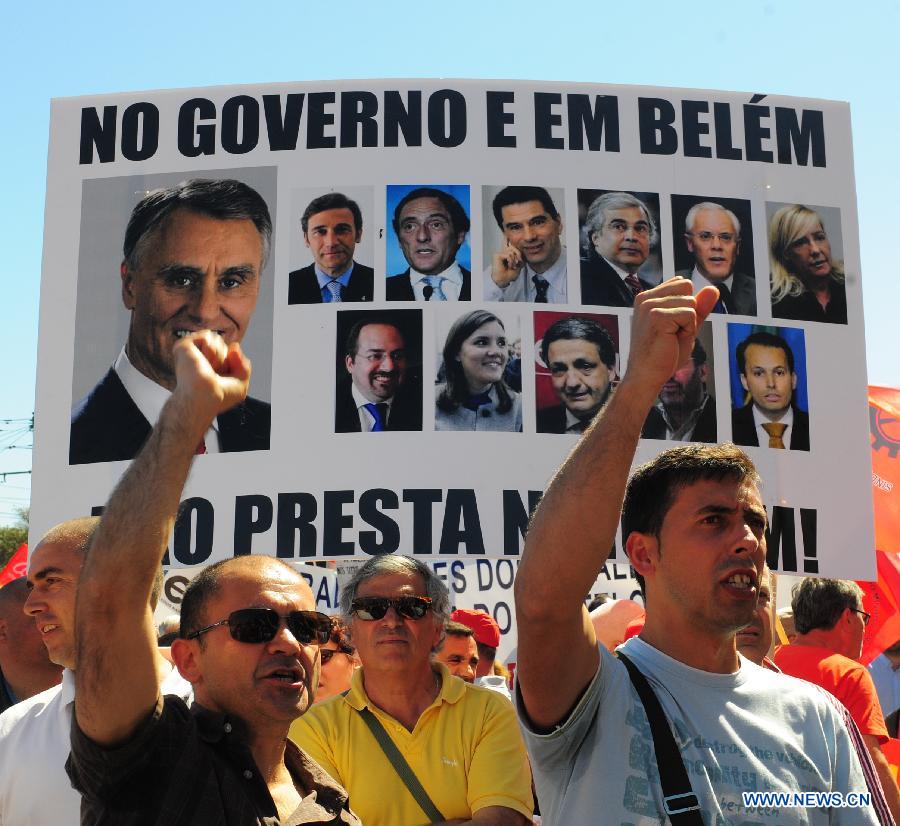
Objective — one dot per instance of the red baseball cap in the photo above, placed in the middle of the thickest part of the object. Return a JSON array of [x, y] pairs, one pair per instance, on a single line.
[[487, 632]]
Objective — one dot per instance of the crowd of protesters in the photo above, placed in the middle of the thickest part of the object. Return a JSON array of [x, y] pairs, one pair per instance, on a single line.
[[263, 711]]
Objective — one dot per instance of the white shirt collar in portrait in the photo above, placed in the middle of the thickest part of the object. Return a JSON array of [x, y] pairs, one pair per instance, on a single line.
[[700, 281], [366, 419], [451, 286], [150, 397], [787, 420]]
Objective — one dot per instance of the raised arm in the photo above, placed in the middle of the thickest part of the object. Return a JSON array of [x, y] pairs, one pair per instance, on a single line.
[[574, 527], [116, 681]]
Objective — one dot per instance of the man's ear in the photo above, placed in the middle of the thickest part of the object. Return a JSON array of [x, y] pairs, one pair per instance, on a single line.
[[127, 286], [348, 363], [642, 550], [744, 383], [689, 241], [185, 655]]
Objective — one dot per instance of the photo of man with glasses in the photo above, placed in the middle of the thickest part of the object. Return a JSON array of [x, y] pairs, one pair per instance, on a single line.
[[712, 237], [619, 233], [379, 383]]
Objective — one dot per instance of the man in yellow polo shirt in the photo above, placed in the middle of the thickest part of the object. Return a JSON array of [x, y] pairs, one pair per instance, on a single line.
[[458, 744]]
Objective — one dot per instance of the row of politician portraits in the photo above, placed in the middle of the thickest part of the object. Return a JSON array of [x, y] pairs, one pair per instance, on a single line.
[[383, 381], [429, 256], [195, 255]]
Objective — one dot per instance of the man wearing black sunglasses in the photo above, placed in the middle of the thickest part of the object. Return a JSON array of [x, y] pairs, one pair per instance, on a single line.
[[460, 742], [831, 624], [248, 644], [693, 526]]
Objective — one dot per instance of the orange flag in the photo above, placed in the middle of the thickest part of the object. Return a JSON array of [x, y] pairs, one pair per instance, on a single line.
[[882, 600], [17, 565], [884, 425]]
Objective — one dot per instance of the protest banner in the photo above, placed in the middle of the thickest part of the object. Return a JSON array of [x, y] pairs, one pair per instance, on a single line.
[[305, 471]]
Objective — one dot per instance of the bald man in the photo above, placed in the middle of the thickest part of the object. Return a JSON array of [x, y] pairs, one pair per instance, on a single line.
[[34, 734], [25, 668], [248, 643]]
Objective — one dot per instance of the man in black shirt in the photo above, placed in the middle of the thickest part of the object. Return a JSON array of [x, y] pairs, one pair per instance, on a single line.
[[248, 643]]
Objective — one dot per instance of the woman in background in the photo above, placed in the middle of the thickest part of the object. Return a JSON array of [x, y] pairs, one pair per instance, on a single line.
[[474, 395], [339, 661], [807, 284]]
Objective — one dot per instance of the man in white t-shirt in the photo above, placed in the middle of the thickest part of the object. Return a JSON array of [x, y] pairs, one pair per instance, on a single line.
[[693, 526], [34, 734]]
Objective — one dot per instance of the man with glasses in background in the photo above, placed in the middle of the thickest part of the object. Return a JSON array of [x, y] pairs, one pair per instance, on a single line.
[[248, 643], [410, 741], [713, 236], [831, 624]]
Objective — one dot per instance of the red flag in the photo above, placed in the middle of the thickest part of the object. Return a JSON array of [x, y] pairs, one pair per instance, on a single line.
[[884, 425], [17, 565], [882, 600], [891, 750]]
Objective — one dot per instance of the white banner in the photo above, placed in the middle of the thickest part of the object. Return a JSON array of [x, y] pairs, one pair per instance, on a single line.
[[533, 203]]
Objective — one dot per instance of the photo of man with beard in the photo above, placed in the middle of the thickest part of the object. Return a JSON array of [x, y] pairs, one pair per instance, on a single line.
[[379, 384], [686, 408]]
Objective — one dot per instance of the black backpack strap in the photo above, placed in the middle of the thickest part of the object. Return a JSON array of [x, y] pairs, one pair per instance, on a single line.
[[682, 805], [407, 775]]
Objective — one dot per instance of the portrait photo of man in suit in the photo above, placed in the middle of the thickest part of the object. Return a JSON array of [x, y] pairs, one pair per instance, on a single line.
[[772, 416], [619, 234], [686, 409], [431, 226], [580, 357], [528, 260], [379, 385], [193, 257], [712, 252], [332, 226]]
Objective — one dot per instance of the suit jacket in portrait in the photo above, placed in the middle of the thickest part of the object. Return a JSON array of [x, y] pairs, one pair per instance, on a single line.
[[552, 419], [743, 428], [743, 291], [303, 286], [399, 287], [704, 429], [601, 284], [406, 408], [107, 425]]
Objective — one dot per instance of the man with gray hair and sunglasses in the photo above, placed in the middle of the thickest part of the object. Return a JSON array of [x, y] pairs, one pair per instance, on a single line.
[[408, 740], [248, 643]]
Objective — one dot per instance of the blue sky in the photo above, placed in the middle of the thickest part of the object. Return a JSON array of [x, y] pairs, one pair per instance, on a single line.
[[824, 49]]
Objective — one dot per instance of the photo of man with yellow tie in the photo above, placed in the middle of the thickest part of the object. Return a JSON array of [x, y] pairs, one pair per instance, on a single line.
[[771, 415]]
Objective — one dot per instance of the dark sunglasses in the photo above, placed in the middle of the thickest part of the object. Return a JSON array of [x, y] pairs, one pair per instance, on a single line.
[[374, 608], [255, 625], [328, 653]]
